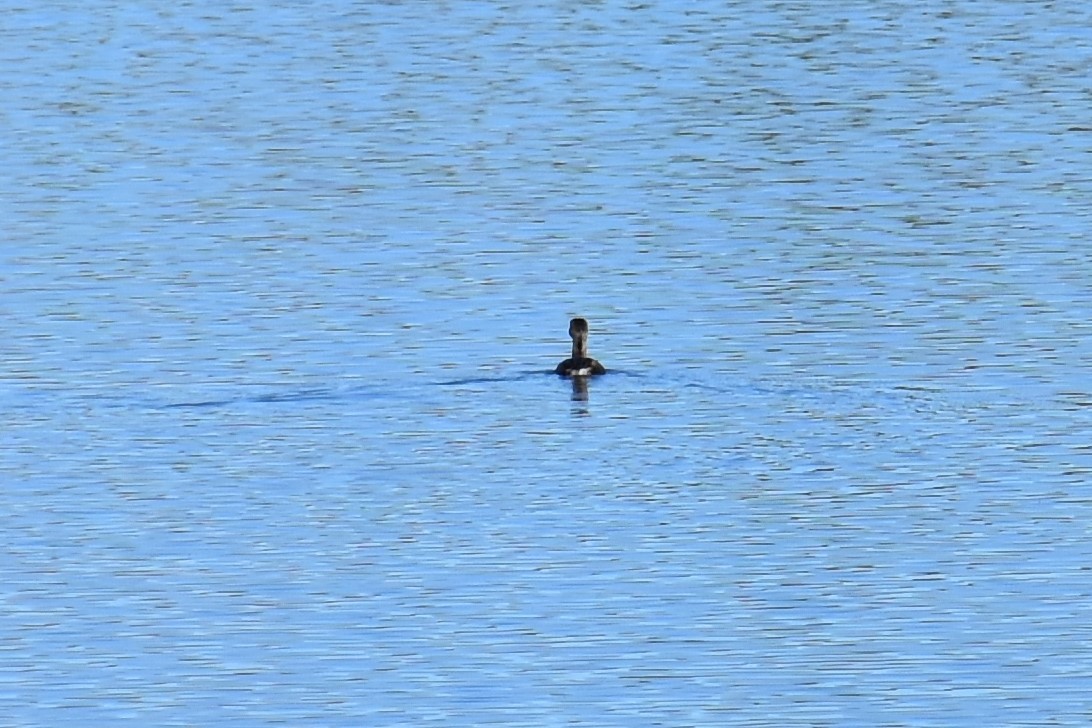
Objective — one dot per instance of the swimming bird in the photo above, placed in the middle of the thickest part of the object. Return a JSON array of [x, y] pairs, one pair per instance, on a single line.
[[580, 365]]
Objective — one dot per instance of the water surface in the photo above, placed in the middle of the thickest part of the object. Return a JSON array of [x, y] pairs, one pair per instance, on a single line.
[[283, 287]]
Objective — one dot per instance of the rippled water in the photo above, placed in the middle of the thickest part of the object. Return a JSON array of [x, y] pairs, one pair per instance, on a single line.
[[282, 289]]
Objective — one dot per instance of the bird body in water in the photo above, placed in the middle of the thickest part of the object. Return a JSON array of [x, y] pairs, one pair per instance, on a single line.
[[580, 365]]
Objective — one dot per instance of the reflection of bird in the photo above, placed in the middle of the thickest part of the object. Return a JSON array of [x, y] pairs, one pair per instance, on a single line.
[[580, 365]]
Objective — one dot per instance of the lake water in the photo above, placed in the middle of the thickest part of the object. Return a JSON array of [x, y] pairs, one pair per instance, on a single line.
[[282, 287]]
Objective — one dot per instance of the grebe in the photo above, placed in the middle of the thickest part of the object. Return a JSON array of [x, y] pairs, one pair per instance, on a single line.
[[580, 365]]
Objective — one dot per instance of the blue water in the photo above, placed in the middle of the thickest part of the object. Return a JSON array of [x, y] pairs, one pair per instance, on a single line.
[[282, 287]]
